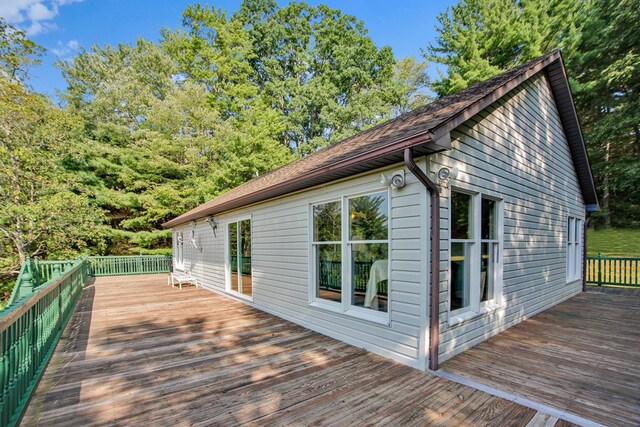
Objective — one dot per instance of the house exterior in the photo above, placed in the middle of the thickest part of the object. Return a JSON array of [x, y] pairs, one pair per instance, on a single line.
[[420, 237]]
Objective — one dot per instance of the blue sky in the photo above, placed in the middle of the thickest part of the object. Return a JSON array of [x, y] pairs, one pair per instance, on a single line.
[[64, 26]]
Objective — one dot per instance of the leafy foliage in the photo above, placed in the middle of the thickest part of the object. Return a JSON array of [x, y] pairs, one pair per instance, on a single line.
[[601, 46], [17, 52], [152, 129], [45, 209]]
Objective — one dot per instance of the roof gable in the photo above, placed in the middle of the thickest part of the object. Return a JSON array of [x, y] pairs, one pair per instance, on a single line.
[[425, 129]]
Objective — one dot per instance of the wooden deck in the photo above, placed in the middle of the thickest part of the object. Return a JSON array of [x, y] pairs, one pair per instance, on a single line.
[[581, 356], [138, 352]]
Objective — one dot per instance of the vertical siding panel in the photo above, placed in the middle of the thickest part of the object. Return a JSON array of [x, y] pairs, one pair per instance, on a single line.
[[516, 150], [280, 259]]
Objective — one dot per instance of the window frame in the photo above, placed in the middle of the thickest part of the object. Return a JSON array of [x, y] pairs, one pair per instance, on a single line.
[[314, 299], [574, 234], [345, 307], [476, 307], [179, 250], [227, 257]]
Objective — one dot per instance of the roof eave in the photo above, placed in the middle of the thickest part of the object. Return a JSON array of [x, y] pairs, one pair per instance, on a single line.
[[392, 153]]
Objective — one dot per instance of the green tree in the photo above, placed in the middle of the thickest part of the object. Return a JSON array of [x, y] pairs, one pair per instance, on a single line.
[[320, 70], [604, 64], [44, 210], [601, 47], [413, 81], [17, 52], [478, 39]]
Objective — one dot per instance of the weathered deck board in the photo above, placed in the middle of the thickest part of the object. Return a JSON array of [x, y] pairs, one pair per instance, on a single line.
[[581, 356], [138, 352]]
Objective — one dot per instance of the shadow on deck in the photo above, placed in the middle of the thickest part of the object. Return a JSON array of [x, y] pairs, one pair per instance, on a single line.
[[581, 357], [138, 352]]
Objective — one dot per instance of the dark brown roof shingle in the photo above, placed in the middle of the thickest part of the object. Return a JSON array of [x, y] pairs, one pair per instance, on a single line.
[[386, 140]]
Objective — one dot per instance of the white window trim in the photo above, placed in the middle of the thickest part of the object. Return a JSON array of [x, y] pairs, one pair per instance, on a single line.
[[575, 240], [315, 300], [227, 259], [477, 307], [345, 307], [178, 250]]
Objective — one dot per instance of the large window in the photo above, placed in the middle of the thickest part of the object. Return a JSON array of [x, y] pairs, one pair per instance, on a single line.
[[369, 248], [474, 256], [327, 248], [239, 241], [354, 233], [574, 248]]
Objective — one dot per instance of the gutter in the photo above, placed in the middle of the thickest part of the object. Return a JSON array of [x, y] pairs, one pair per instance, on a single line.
[[434, 318]]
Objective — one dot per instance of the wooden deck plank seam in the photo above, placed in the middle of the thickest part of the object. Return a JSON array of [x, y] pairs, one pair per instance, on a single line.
[[537, 406]]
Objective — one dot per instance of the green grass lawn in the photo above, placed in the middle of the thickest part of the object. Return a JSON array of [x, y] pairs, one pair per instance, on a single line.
[[614, 242]]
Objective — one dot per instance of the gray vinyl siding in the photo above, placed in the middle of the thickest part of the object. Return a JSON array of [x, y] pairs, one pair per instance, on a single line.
[[280, 264], [515, 150]]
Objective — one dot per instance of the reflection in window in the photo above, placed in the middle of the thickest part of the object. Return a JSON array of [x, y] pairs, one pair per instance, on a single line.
[[369, 244], [488, 249], [240, 257], [461, 247], [244, 263], [460, 215], [459, 275], [327, 237], [233, 254], [474, 250], [368, 217]]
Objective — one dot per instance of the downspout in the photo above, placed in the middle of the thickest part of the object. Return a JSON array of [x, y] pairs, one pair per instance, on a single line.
[[434, 318], [584, 251]]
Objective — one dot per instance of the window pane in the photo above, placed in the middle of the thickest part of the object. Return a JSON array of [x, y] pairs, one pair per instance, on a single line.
[[329, 272], [460, 213], [368, 217], [233, 255], [459, 275], [370, 275], [488, 228], [570, 225], [327, 225], [486, 271], [245, 257]]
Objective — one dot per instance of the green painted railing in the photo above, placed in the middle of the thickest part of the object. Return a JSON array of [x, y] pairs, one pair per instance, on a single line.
[[621, 271], [29, 331], [246, 264], [330, 273], [33, 274], [129, 265]]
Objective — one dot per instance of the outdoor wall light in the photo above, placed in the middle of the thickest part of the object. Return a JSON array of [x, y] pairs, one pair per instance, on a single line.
[[445, 173], [213, 224], [396, 181]]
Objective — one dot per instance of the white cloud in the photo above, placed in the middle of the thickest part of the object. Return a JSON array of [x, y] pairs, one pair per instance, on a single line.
[[38, 27], [39, 12], [63, 49], [32, 16]]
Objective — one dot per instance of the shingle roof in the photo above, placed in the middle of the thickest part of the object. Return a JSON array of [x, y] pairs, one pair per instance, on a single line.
[[383, 144]]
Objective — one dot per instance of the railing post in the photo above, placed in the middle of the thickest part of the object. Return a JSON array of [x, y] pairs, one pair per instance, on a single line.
[[27, 284], [600, 266], [36, 264], [56, 272]]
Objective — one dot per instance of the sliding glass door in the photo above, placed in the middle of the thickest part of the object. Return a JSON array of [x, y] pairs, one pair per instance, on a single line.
[[239, 241]]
